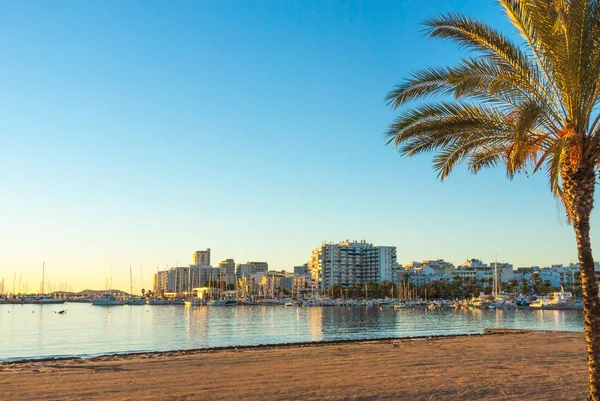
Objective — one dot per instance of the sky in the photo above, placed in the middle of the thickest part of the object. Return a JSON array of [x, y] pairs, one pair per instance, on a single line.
[[134, 133]]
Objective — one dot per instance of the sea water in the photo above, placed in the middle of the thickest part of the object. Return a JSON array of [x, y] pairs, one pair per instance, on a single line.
[[39, 331]]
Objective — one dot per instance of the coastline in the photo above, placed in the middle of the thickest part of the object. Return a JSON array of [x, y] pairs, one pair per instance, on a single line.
[[302, 344], [497, 365], [207, 350]]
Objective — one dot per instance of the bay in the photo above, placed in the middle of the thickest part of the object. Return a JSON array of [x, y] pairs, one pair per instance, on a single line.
[[38, 331]]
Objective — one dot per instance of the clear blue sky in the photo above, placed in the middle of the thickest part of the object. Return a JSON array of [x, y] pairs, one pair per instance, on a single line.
[[133, 133]]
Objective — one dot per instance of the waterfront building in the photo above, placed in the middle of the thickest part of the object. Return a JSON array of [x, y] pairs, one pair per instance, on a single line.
[[419, 273], [301, 270], [463, 274], [302, 284], [475, 268], [227, 266], [251, 268], [243, 270], [439, 265], [288, 281], [247, 285], [256, 267], [177, 281], [412, 265], [425, 274], [201, 257], [271, 283], [160, 283], [525, 273], [347, 263]]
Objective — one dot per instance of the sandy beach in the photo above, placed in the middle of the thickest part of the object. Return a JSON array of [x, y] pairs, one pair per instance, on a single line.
[[516, 366]]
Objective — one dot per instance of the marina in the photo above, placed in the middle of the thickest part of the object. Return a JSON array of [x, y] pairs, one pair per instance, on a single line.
[[29, 331]]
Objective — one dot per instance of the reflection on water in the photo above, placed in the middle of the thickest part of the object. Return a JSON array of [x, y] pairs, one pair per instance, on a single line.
[[33, 331]]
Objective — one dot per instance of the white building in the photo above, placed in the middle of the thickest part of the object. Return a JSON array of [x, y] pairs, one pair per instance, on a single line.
[[201, 257], [475, 268], [251, 268], [179, 280], [347, 263]]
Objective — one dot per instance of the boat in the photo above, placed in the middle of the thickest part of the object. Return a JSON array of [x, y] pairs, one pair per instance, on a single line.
[[557, 300], [217, 302], [134, 301], [106, 300], [45, 299], [537, 304], [81, 300], [157, 301], [42, 300], [178, 302]]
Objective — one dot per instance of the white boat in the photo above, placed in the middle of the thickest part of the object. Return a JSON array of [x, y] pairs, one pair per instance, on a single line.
[[217, 302], [557, 300], [538, 303], [192, 302], [81, 300], [43, 299], [178, 302], [134, 301], [106, 300], [157, 301]]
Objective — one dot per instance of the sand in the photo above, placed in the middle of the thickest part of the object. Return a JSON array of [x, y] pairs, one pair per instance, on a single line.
[[517, 366]]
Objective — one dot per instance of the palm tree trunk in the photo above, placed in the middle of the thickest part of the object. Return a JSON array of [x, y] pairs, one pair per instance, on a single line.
[[579, 199]]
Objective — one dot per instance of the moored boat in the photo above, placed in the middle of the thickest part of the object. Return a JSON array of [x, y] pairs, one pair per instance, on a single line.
[[81, 300], [106, 300], [42, 300], [217, 302], [134, 301], [157, 301]]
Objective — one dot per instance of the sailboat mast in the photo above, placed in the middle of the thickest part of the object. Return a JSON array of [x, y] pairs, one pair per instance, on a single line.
[[43, 273], [495, 275], [130, 282]]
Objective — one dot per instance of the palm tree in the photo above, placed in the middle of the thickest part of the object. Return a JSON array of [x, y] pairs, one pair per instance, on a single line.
[[530, 105]]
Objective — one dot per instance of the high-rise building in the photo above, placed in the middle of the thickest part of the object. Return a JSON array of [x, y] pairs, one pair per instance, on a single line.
[[348, 263], [251, 268], [160, 283], [301, 270], [181, 280], [227, 266], [201, 258]]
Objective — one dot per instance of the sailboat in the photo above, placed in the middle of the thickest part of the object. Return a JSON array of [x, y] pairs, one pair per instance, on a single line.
[[132, 300], [107, 299], [191, 301], [42, 298]]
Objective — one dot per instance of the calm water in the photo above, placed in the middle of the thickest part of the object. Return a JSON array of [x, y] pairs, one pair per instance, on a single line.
[[35, 331]]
